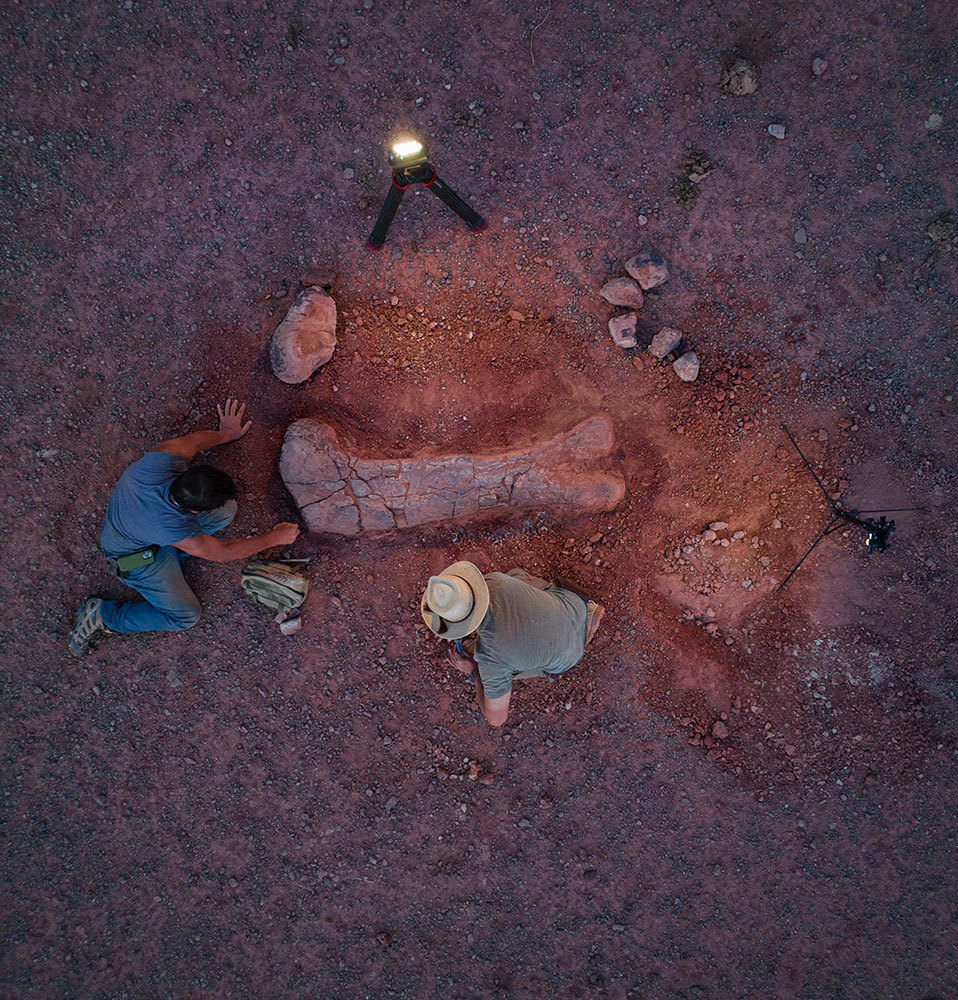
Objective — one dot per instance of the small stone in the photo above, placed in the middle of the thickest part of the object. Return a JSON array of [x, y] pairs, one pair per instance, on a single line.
[[648, 269], [622, 292], [801, 237], [934, 122], [514, 314], [740, 79], [665, 342], [819, 65], [349, 173], [720, 730], [291, 625], [622, 329], [776, 131], [687, 367], [391, 803], [384, 939], [306, 338], [709, 535], [738, 534]]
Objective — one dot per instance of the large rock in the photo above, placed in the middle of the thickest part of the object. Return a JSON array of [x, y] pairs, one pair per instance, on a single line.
[[648, 269], [622, 292], [665, 342], [344, 493], [306, 338], [622, 329]]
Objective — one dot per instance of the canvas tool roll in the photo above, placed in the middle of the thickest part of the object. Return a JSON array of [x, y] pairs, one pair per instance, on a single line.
[[274, 584]]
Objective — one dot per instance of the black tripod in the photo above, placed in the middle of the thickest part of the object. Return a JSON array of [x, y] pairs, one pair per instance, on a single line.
[[877, 533], [425, 174]]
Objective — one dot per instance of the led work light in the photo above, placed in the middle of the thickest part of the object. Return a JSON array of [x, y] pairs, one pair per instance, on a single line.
[[410, 163]]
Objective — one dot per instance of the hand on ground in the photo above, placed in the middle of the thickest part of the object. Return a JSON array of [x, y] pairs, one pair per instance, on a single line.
[[462, 663], [231, 419], [285, 533]]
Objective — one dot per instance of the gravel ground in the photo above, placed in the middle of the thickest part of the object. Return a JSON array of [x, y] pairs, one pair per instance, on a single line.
[[739, 792]]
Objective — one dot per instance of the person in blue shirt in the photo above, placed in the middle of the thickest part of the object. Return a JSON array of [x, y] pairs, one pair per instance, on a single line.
[[162, 511]]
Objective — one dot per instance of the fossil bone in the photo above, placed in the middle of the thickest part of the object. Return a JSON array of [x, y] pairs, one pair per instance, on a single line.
[[347, 494]]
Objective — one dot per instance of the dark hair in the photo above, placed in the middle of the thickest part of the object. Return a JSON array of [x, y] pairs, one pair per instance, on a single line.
[[202, 487]]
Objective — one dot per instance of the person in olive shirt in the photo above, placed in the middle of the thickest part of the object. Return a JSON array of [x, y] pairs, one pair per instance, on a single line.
[[507, 626], [160, 512]]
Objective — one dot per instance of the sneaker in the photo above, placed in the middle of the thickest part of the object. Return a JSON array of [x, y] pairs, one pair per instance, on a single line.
[[595, 613], [86, 626]]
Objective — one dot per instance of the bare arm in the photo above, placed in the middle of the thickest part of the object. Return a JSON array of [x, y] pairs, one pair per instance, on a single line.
[[496, 710], [231, 429], [208, 547]]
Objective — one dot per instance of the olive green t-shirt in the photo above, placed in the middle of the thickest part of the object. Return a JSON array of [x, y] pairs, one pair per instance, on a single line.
[[527, 632]]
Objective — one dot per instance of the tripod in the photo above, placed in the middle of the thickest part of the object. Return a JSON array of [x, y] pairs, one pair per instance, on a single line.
[[877, 533], [425, 174]]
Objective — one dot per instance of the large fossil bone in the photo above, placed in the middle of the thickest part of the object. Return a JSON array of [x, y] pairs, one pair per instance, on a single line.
[[347, 494]]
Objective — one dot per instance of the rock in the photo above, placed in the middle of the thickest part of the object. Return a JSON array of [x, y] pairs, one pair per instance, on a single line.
[[648, 269], [819, 65], [934, 122], [348, 494], [801, 237], [306, 338], [720, 730], [776, 131], [516, 315], [665, 342], [622, 292], [622, 329], [720, 526], [709, 535], [291, 625], [740, 79], [687, 367]]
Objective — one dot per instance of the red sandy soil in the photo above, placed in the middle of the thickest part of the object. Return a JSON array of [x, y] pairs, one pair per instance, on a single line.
[[228, 812]]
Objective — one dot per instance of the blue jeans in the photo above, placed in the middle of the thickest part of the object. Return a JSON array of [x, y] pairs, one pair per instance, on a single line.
[[170, 604]]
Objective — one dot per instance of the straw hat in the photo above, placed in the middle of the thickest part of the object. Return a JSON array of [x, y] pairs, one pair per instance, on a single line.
[[456, 601]]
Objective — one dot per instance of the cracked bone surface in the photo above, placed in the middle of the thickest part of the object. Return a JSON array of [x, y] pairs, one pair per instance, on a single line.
[[346, 494]]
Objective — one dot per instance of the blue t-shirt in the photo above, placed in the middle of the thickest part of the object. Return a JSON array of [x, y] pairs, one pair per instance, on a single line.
[[140, 512]]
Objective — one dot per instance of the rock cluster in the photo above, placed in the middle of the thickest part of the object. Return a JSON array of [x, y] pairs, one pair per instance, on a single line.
[[649, 270]]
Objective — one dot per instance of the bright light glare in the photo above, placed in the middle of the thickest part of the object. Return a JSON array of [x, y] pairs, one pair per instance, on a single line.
[[408, 147]]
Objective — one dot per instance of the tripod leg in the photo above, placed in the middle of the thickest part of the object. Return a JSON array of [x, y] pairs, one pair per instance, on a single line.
[[446, 194], [378, 236]]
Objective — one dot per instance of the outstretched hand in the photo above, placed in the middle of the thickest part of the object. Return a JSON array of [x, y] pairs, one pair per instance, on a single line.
[[231, 419]]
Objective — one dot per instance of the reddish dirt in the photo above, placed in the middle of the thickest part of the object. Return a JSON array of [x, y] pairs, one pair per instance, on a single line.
[[761, 808]]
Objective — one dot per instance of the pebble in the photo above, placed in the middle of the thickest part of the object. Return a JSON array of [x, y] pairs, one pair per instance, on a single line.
[[665, 342], [777, 131], [934, 122], [622, 292], [709, 535], [622, 329], [349, 173], [720, 730], [648, 268], [740, 79], [719, 526], [819, 65], [516, 315], [687, 367], [801, 236]]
